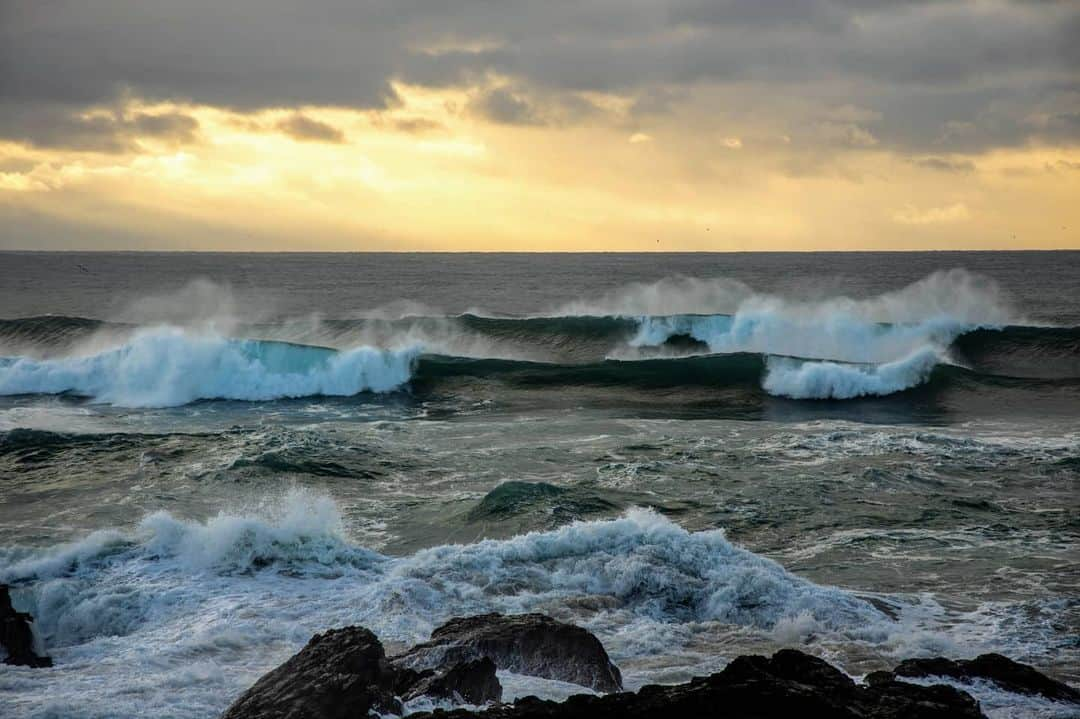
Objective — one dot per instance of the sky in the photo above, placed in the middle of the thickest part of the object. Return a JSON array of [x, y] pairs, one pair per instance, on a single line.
[[514, 125]]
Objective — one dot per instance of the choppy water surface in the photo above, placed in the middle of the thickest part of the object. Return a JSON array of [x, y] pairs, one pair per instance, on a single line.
[[693, 456]]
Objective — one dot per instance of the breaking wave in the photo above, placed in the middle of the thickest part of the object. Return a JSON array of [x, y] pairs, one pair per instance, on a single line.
[[167, 367], [680, 331], [831, 380], [640, 562]]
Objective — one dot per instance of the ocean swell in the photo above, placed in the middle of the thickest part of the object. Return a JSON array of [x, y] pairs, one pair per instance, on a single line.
[[166, 367], [679, 332], [800, 379], [842, 338]]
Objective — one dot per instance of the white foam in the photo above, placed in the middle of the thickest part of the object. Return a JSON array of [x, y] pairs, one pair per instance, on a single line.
[[177, 617], [304, 528], [516, 686], [998, 703], [841, 337], [649, 564], [889, 328], [168, 366], [800, 379], [128, 614], [66, 558]]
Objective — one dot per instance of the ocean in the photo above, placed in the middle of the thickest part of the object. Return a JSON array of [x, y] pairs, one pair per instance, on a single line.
[[207, 458]]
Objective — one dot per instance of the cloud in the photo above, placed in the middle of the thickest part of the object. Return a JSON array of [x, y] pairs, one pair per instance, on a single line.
[[918, 67], [417, 125], [911, 215], [639, 137], [303, 128], [1063, 166], [846, 133], [504, 106], [175, 125], [944, 164], [97, 129]]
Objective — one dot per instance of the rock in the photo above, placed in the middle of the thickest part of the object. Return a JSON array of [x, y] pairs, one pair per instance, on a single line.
[[344, 674], [532, 644], [16, 636], [1009, 675], [686, 343], [789, 684], [471, 682], [880, 677], [340, 674]]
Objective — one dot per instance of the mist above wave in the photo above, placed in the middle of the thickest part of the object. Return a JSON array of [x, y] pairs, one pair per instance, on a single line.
[[167, 366], [964, 296], [641, 562], [899, 333]]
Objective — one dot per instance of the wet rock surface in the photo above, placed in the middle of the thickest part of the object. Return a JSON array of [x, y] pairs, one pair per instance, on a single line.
[[345, 673], [471, 682], [788, 684], [339, 674], [531, 644], [1007, 674], [17, 636]]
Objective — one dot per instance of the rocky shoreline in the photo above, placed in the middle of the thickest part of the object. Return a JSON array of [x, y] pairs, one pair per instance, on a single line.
[[346, 674]]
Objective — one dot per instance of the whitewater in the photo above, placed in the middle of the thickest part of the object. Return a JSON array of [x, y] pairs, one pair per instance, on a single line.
[[828, 349], [694, 457], [238, 589]]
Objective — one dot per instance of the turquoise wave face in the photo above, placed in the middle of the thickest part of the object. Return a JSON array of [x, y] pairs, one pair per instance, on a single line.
[[798, 353], [168, 367]]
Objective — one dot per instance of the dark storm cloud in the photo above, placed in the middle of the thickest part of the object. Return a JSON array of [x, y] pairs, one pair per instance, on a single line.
[[167, 124], [756, 14], [505, 106], [924, 66], [300, 127], [108, 130], [241, 54]]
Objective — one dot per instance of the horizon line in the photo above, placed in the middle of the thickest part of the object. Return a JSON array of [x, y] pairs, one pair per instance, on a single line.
[[527, 252]]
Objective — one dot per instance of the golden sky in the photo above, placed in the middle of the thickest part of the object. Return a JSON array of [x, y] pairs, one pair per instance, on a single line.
[[865, 128]]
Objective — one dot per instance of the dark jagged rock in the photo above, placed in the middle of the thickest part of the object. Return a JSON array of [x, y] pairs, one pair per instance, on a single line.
[[532, 644], [340, 674], [687, 343], [16, 636], [344, 674], [470, 682], [789, 684], [1009, 675]]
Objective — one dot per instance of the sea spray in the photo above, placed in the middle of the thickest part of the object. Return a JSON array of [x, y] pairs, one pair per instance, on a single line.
[[843, 338], [965, 297], [165, 367], [304, 529], [800, 379], [644, 564]]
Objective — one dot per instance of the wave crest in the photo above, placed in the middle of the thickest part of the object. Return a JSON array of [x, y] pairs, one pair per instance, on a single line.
[[799, 379], [303, 528], [642, 564], [647, 563], [167, 367]]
